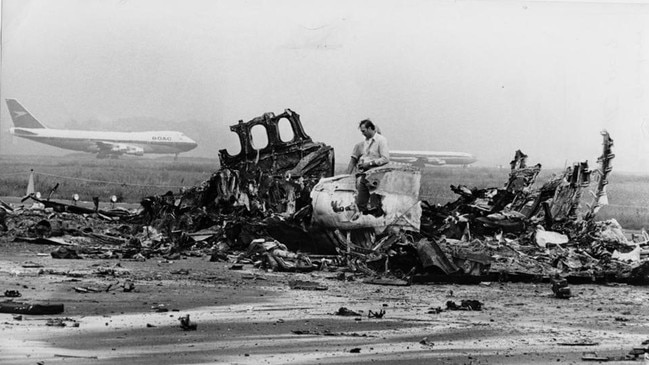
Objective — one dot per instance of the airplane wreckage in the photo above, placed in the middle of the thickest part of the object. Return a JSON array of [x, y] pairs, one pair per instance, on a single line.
[[280, 208]]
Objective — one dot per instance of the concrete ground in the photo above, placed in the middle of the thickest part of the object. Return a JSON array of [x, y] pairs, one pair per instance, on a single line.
[[251, 316]]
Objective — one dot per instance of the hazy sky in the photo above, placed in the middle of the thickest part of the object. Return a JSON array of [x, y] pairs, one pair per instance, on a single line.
[[486, 77]]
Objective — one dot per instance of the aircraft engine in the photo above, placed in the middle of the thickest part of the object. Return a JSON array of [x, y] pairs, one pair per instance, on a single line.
[[125, 149], [436, 161], [133, 150], [118, 148]]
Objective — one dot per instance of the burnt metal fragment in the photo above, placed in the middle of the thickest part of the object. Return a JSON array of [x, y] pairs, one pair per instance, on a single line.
[[32, 309], [186, 324], [12, 293], [465, 305], [344, 311], [560, 288], [298, 157], [378, 314], [306, 285]]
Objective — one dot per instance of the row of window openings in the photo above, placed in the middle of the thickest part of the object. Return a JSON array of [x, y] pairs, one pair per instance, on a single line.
[[259, 135]]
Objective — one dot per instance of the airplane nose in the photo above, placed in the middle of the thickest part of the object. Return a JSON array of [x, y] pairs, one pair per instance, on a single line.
[[192, 144], [187, 144]]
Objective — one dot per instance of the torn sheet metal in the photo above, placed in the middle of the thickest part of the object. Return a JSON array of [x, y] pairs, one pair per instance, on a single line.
[[605, 167], [277, 257], [565, 203], [432, 256], [543, 238], [631, 256], [396, 189], [521, 176], [609, 231], [114, 214]]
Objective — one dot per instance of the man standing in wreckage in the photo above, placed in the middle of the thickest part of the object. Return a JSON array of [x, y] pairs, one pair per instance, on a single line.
[[370, 153]]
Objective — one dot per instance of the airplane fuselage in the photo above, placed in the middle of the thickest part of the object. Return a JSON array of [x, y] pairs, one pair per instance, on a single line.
[[137, 143], [104, 144], [422, 158]]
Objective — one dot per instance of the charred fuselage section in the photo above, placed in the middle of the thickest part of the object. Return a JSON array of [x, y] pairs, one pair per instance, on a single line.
[[299, 157]]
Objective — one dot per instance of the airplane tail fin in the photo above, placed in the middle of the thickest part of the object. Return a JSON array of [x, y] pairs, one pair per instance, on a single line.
[[21, 117]]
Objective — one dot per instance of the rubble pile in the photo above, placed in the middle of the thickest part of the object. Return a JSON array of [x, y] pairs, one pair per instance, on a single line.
[[280, 208], [530, 233]]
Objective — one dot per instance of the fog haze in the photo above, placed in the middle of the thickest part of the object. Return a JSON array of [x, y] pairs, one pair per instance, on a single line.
[[486, 77]]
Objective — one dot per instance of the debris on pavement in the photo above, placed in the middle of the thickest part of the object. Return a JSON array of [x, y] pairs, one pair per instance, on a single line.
[[87, 289], [581, 342], [31, 265], [61, 322], [424, 341], [279, 208], [593, 356], [560, 288], [128, 286], [12, 293], [306, 285], [160, 308], [465, 305], [343, 311], [329, 333], [635, 354], [76, 356], [387, 281], [32, 309], [65, 253], [378, 314], [186, 324]]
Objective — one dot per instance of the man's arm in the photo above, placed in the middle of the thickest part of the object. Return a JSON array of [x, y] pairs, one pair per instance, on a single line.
[[352, 164], [357, 152]]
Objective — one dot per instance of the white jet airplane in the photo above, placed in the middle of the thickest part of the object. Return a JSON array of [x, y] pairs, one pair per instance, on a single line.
[[423, 158], [104, 144]]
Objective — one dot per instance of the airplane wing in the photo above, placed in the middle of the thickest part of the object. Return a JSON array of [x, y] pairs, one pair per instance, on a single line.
[[116, 149]]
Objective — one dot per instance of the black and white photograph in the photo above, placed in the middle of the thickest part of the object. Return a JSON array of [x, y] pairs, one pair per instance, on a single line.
[[324, 182]]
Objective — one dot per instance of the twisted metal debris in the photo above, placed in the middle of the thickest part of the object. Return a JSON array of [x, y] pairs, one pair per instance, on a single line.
[[280, 208]]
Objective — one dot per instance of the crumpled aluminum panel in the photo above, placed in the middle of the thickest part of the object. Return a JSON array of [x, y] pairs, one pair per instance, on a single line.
[[397, 186]]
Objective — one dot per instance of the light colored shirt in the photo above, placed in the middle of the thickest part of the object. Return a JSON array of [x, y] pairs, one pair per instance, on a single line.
[[375, 150]]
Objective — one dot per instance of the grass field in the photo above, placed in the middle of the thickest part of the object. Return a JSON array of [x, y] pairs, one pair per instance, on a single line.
[[128, 179], [131, 179]]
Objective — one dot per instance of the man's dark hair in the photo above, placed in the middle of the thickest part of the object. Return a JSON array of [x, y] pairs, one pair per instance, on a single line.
[[367, 123]]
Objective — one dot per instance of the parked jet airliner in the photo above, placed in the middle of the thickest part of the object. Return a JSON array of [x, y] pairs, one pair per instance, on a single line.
[[104, 144], [423, 158]]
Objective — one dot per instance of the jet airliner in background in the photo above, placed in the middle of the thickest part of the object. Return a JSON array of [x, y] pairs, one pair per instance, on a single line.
[[423, 158], [104, 144]]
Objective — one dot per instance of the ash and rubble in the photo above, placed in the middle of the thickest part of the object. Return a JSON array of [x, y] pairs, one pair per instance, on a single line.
[[280, 208]]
